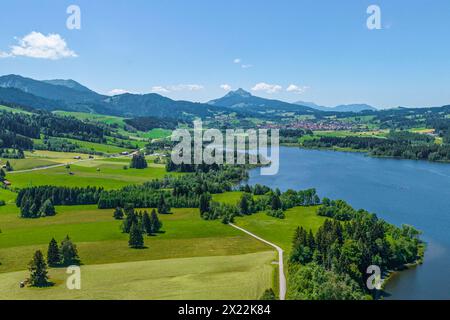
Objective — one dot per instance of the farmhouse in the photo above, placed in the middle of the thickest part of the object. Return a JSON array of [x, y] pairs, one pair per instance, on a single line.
[[6, 183]]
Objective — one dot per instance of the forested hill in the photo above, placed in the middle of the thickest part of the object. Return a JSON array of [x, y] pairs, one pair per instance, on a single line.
[[71, 96], [18, 129]]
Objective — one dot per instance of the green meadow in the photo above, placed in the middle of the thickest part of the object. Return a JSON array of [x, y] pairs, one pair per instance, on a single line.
[[203, 278], [281, 231], [100, 173], [176, 263]]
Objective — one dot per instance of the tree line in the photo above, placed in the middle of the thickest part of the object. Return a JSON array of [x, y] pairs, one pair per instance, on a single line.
[[332, 263]]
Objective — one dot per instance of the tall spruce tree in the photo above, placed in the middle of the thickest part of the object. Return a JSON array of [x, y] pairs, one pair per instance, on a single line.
[[53, 257], [147, 224], [136, 240], [204, 203], [38, 271], [155, 222], [118, 213], [163, 207], [69, 252], [138, 161], [47, 209]]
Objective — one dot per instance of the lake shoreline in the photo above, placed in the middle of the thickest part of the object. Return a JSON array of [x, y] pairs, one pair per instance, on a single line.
[[360, 151]]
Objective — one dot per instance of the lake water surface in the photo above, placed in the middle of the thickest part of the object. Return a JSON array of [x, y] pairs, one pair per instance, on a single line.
[[399, 191]]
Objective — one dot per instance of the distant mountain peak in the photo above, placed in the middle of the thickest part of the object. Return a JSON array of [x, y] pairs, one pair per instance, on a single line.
[[239, 92], [69, 83]]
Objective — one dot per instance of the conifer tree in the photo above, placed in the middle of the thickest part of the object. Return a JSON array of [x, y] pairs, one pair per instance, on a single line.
[[69, 252], [155, 222], [118, 214], [47, 209], [147, 224], [38, 271], [53, 257], [136, 240]]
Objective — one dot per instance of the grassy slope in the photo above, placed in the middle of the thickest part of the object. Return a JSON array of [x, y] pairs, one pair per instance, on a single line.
[[100, 240], [281, 231], [111, 175], [220, 277], [175, 265]]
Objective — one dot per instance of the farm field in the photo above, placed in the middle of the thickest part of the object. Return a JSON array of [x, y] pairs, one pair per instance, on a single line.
[[219, 277], [100, 173], [93, 117], [175, 261], [101, 241], [281, 231]]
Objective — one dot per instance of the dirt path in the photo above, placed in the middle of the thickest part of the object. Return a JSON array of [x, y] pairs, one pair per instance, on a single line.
[[280, 260]]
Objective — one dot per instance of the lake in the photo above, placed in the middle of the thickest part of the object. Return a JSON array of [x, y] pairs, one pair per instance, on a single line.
[[399, 191]]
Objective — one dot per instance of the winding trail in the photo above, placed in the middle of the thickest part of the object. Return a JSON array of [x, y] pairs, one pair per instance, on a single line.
[[282, 278]]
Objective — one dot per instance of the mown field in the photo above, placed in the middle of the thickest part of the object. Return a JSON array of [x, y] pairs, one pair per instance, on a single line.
[[191, 258], [99, 172], [201, 278]]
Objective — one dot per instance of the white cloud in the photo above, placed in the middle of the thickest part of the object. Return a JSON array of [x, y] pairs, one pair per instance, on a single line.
[[237, 60], [37, 45], [226, 87], [268, 88], [186, 87], [159, 89], [246, 66], [115, 92], [297, 89], [5, 54], [178, 87]]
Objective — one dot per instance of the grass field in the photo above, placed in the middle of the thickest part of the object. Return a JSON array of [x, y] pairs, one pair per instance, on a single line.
[[176, 263], [101, 173], [93, 117], [100, 240], [220, 277], [8, 109], [281, 231], [228, 197]]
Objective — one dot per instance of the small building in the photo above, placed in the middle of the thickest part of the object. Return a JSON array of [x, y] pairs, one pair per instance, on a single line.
[[6, 183], [77, 158], [125, 153]]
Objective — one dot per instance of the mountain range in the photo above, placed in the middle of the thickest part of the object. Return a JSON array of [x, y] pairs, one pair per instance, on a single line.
[[70, 95], [339, 108], [243, 100]]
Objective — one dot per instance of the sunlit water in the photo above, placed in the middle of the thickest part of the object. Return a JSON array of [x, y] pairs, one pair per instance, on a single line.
[[399, 191]]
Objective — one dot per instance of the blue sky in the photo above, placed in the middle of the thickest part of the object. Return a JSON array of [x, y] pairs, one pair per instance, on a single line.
[[196, 49]]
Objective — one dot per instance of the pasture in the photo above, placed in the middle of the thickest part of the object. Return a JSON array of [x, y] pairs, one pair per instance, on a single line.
[[218, 277], [281, 231]]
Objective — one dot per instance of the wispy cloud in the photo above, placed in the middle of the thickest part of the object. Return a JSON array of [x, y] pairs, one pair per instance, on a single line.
[[297, 89], [226, 87], [39, 46], [159, 89], [177, 87], [115, 92], [267, 88], [243, 66]]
